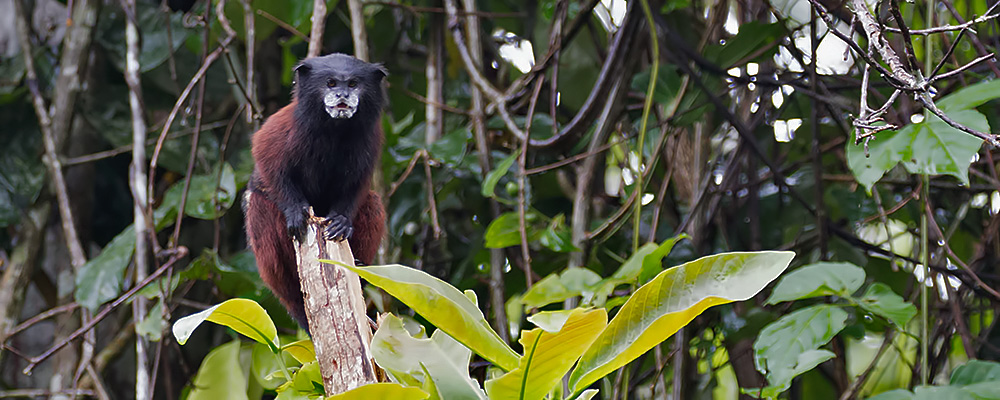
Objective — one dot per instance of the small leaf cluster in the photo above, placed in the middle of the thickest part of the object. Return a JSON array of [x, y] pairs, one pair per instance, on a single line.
[[791, 346]]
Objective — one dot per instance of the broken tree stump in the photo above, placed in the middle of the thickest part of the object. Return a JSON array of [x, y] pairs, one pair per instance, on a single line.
[[335, 309]]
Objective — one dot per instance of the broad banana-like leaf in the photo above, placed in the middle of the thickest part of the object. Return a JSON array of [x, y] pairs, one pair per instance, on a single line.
[[445, 307], [672, 299], [548, 355], [242, 315], [384, 390], [439, 363]]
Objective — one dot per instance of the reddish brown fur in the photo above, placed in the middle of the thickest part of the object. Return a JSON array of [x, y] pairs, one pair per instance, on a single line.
[[266, 230]]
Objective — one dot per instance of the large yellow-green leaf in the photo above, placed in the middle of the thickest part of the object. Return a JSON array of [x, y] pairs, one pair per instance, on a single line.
[[671, 300], [384, 390], [242, 315], [548, 356], [220, 376], [412, 361], [445, 307]]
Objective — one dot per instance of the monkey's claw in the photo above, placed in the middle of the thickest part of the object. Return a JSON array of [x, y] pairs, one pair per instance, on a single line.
[[338, 228]]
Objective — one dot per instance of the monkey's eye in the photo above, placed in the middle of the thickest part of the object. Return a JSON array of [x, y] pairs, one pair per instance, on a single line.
[[352, 83], [331, 83]]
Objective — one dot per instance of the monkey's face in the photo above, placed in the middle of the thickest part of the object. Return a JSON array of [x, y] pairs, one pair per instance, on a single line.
[[342, 97], [340, 84]]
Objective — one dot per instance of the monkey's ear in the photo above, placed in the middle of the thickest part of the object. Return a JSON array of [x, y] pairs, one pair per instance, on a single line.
[[302, 68], [380, 71]]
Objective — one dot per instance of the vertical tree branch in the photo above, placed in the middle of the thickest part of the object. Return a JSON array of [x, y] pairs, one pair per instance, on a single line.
[[358, 32], [251, 42], [318, 24], [196, 135], [137, 177], [817, 155], [51, 158], [646, 106], [435, 79], [497, 259]]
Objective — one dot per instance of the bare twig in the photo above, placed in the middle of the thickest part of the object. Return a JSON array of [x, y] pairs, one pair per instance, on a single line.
[[41, 317], [949, 28], [961, 69], [925, 99], [522, 183], [416, 10], [944, 242], [431, 201], [199, 111], [212, 57], [859, 381], [43, 393], [284, 25], [33, 362]]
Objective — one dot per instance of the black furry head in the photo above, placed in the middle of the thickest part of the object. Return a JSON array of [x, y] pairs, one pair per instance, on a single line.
[[338, 88]]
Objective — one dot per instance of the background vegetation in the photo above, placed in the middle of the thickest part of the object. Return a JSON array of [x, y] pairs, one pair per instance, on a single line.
[[527, 157]]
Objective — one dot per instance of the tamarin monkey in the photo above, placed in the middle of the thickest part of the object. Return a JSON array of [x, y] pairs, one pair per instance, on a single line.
[[319, 151]]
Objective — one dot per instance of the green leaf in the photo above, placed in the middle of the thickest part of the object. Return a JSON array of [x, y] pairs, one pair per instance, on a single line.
[[819, 279], [554, 288], [587, 394], [220, 375], [490, 183], [265, 368], [671, 300], [880, 300], [412, 361], [308, 379], [898, 394], [547, 291], [556, 237], [505, 230], [752, 37], [779, 345], [927, 393], [647, 257], [242, 315], [301, 350], [158, 40], [976, 371], [970, 96], [201, 198], [548, 356], [151, 327], [940, 149], [781, 379], [444, 306], [930, 147], [381, 390], [100, 279]]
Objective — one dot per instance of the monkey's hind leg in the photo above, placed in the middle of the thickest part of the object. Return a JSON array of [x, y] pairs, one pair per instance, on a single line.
[[369, 228], [272, 247]]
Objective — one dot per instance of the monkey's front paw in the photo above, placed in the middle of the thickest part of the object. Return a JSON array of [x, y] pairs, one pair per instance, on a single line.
[[295, 222], [338, 228]]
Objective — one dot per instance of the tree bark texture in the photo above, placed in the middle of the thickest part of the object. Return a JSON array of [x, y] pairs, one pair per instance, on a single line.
[[335, 310]]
